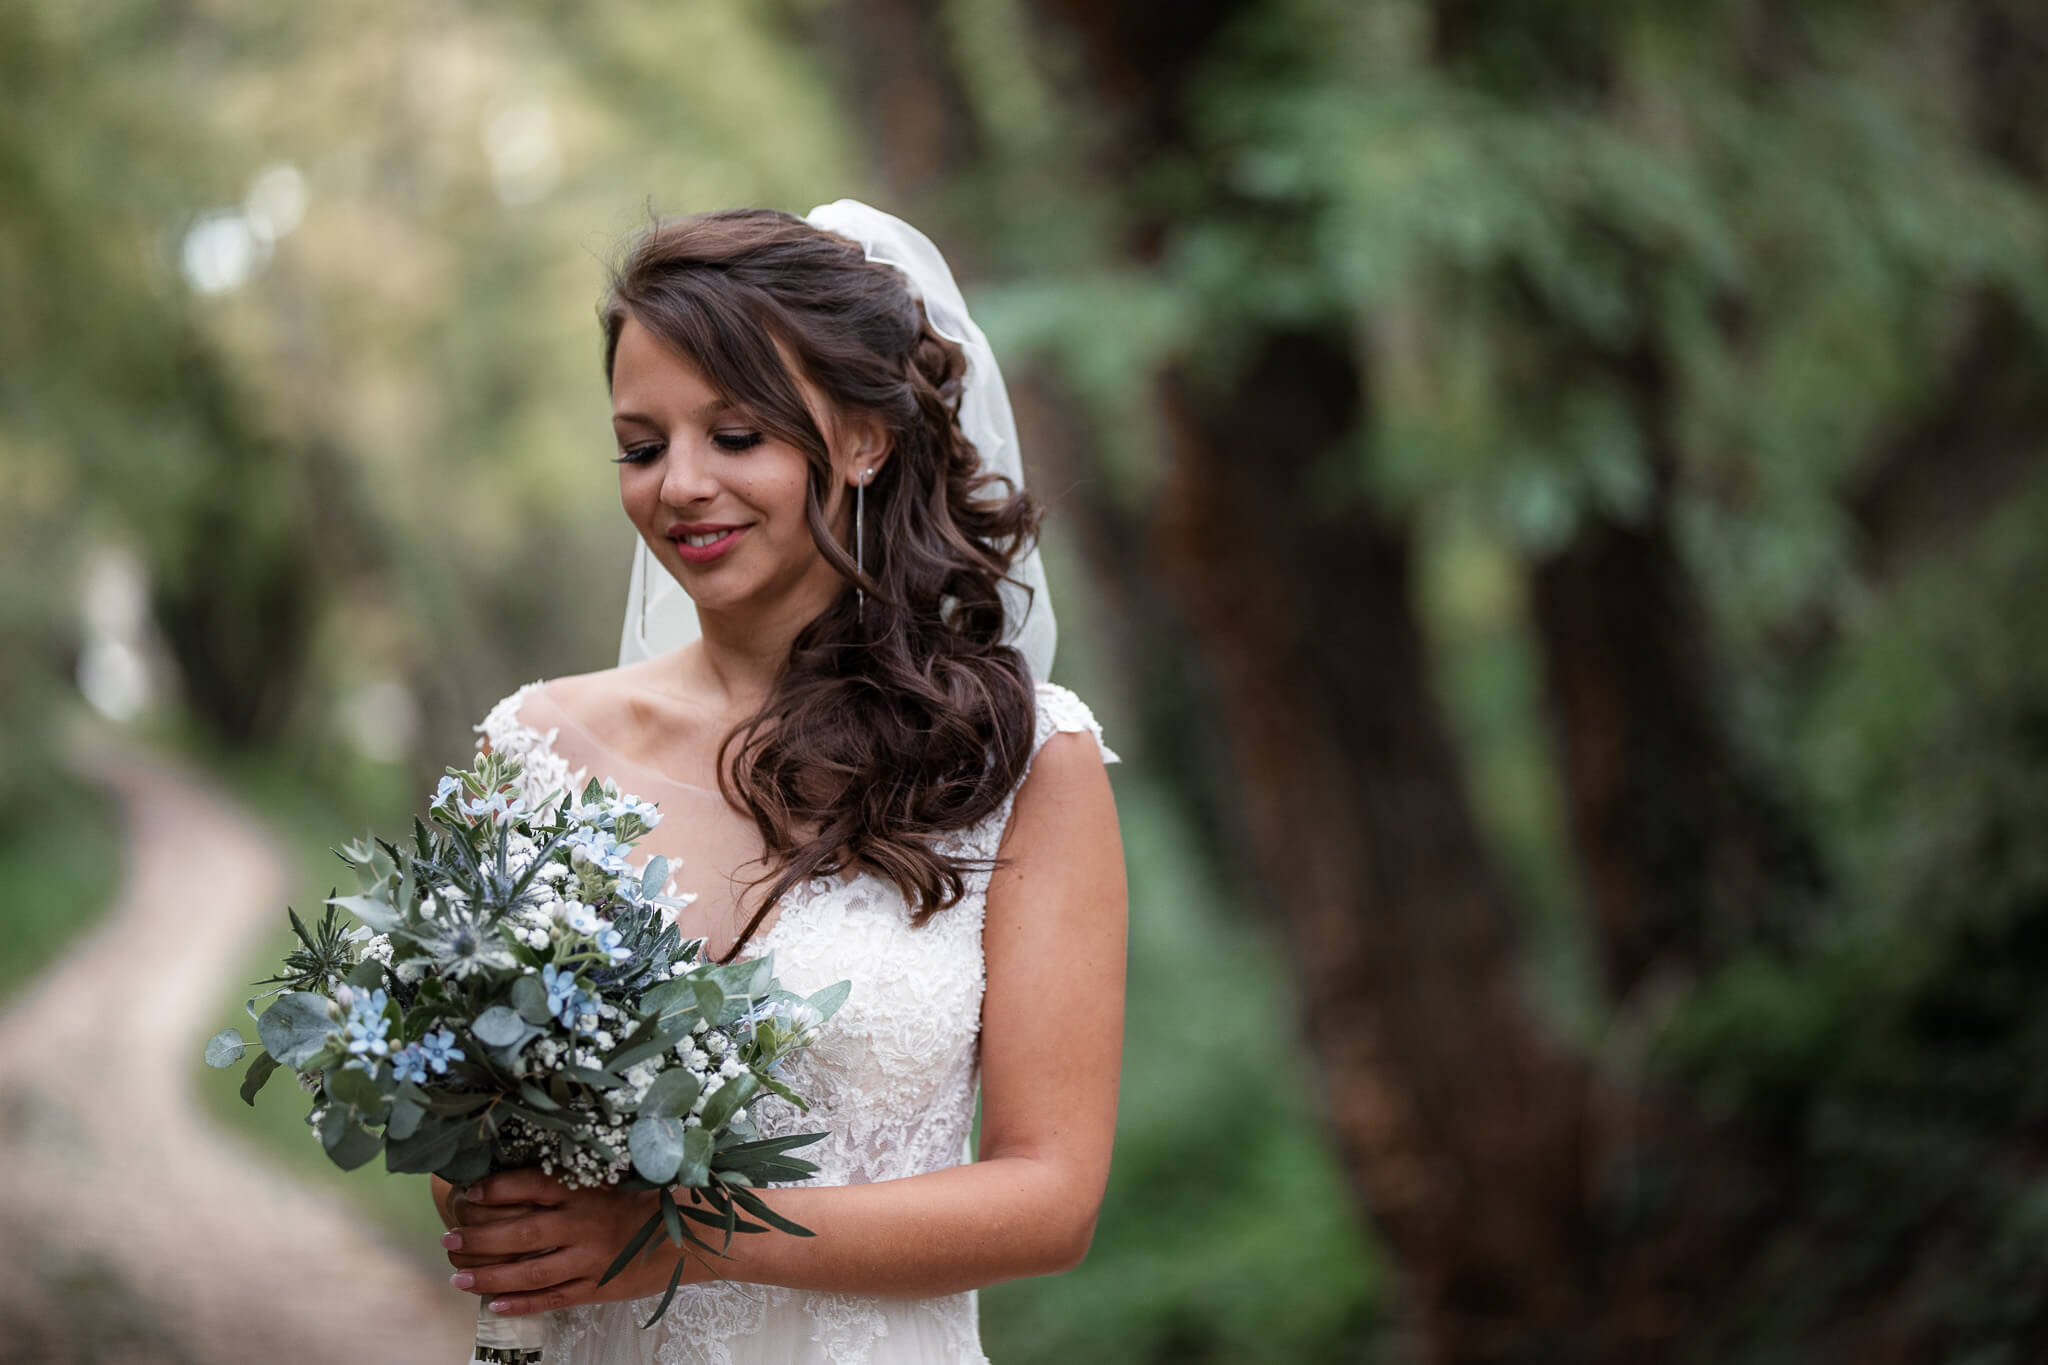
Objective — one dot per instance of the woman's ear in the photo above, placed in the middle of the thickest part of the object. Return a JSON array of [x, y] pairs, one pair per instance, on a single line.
[[868, 449]]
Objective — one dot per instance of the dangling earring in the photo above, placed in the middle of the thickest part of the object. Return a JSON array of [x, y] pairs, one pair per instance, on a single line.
[[640, 576], [860, 542]]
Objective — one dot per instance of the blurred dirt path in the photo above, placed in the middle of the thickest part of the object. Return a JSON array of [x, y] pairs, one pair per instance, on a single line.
[[112, 1175]]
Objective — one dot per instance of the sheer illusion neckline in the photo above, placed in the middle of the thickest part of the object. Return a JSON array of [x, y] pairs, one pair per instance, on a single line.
[[801, 895], [612, 752]]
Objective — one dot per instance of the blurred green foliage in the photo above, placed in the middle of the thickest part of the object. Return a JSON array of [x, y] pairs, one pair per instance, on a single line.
[[1903, 1064], [60, 864], [381, 459]]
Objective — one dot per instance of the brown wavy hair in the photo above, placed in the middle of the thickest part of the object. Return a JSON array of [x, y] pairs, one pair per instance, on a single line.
[[880, 734]]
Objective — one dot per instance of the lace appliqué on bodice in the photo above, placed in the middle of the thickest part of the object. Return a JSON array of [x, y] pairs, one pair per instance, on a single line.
[[891, 1082]]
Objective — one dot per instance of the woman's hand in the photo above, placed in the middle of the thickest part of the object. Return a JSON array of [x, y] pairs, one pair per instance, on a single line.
[[536, 1246], [459, 1213]]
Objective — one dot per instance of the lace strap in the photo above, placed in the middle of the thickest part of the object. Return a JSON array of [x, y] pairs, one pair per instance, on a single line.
[[542, 770], [1060, 710]]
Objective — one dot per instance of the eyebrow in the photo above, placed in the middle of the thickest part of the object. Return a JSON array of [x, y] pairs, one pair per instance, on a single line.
[[703, 411]]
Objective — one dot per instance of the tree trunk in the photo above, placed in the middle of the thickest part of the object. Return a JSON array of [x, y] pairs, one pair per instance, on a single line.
[[1461, 1124], [1683, 856]]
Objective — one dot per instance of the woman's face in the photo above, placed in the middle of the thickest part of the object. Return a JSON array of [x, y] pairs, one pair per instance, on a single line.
[[694, 469]]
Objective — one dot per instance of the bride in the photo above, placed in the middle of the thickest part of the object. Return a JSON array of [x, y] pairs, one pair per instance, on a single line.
[[861, 768]]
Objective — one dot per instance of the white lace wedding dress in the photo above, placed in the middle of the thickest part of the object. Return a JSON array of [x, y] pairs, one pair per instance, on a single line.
[[892, 1081]]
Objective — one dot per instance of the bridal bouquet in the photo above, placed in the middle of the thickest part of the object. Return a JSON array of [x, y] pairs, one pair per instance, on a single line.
[[512, 995]]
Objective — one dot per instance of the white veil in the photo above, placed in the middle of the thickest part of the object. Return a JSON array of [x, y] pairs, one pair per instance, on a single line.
[[660, 616]]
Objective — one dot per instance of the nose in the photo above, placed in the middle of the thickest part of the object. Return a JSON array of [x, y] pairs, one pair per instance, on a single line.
[[686, 474]]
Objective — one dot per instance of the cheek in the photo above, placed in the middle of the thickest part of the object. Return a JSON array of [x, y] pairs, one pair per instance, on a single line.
[[780, 489]]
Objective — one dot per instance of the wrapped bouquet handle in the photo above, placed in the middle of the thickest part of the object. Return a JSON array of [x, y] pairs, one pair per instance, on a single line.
[[508, 1341]]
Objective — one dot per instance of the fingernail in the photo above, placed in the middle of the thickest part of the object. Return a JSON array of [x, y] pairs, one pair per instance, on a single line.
[[462, 1279], [500, 1305], [452, 1240]]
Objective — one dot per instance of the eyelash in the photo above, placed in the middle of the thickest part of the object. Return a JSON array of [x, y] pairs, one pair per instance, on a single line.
[[730, 442]]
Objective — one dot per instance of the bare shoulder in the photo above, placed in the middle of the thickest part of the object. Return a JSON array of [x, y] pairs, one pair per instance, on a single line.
[[1063, 824], [540, 705], [601, 687]]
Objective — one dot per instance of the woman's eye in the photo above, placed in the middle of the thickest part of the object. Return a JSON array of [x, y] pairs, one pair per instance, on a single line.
[[639, 454], [737, 440]]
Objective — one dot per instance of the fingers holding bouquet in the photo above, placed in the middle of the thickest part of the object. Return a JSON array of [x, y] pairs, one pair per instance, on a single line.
[[561, 1253]]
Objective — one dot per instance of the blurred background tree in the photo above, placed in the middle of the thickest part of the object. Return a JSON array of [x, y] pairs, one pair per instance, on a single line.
[[1552, 496]]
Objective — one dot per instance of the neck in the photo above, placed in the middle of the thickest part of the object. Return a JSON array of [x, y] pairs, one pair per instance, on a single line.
[[744, 649]]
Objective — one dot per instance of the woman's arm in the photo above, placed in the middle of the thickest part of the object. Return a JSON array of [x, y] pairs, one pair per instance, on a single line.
[[1051, 1046]]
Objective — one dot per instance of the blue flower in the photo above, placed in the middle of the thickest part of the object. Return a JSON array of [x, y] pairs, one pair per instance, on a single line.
[[600, 849], [439, 1050], [410, 1064], [566, 1000], [501, 809], [449, 789], [367, 1025], [643, 811]]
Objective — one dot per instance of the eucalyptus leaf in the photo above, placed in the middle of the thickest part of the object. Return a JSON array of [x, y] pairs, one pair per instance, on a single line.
[[657, 1146], [500, 1027], [695, 1170], [296, 1027], [469, 1164], [729, 1097], [333, 1124], [655, 877], [828, 1001], [355, 1146], [428, 1149], [530, 998], [404, 1119], [660, 999], [671, 1095], [225, 1048], [252, 1080], [356, 1089], [374, 911]]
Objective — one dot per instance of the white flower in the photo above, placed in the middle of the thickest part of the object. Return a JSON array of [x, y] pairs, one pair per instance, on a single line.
[[716, 1044], [697, 1059], [739, 1115], [731, 1067]]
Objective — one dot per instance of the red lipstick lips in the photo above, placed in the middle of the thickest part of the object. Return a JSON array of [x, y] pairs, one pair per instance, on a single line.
[[728, 535]]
